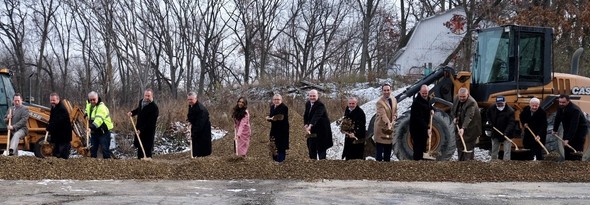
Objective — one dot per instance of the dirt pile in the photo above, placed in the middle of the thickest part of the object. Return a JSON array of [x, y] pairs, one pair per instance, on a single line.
[[258, 165]]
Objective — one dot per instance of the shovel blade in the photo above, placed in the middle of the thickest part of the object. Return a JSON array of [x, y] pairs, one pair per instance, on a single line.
[[427, 156]]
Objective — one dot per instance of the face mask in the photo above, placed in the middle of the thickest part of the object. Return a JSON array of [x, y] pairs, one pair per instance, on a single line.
[[500, 108]]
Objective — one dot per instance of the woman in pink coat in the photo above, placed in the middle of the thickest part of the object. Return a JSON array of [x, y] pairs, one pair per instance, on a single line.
[[241, 127]]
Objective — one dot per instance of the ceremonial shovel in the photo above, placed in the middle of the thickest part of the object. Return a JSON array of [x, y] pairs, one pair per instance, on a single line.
[[430, 155], [6, 152], [139, 139], [569, 146], [463, 141], [506, 137]]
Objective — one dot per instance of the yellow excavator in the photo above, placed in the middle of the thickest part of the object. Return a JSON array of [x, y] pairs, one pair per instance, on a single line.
[[38, 119], [511, 61]]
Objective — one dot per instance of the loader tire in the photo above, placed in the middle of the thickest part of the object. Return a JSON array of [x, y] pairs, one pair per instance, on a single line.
[[443, 137], [369, 142], [43, 149]]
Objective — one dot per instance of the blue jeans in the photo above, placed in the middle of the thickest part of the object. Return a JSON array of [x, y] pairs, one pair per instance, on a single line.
[[383, 152], [103, 140]]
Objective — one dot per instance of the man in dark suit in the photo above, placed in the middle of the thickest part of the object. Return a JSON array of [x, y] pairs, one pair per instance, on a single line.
[[354, 139], [198, 116], [279, 129], [147, 114], [59, 127], [465, 114], [420, 112], [575, 126], [317, 125]]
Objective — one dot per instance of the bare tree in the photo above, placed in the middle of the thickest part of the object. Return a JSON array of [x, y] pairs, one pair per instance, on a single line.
[[312, 31], [14, 31], [43, 14], [367, 9]]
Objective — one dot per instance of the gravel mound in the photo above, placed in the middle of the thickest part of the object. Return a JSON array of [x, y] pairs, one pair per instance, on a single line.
[[222, 165]]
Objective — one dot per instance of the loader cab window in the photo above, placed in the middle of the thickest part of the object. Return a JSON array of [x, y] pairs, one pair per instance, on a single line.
[[491, 63], [531, 51], [6, 94]]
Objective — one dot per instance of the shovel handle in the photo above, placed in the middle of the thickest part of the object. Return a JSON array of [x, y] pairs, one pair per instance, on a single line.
[[8, 134], [430, 134], [538, 141], [506, 137], [138, 138], [567, 145], [463, 141]]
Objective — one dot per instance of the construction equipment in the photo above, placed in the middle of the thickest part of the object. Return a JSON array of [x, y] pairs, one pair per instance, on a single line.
[[38, 119], [511, 61]]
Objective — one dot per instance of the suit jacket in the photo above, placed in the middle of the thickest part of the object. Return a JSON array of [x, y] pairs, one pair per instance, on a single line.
[[317, 116], [146, 121], [386, 114], [59, 126], [20, 116], [280, 129], [537, 121], [468, 117]]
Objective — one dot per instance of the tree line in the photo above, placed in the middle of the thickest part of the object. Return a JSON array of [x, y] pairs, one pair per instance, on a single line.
[[119, 48]]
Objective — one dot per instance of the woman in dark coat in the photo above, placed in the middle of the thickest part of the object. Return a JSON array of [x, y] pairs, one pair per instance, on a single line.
[[279, 129]]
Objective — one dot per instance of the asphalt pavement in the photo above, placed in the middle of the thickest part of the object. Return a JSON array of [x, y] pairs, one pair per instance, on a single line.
[[288, 192]]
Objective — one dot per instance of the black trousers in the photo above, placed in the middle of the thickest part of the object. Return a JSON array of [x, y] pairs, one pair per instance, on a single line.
[[314, 151], [62, 150], [419, 139]]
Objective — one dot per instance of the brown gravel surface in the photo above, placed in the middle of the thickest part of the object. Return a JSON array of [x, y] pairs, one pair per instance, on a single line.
[[222, 165]]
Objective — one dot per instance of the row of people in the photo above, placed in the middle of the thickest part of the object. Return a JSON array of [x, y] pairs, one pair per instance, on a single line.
[[464, 112]]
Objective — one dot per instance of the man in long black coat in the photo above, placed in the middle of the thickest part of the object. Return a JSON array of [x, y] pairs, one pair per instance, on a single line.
[[59, 127], [535, 118], [575, 126], [354, 145], [279, 129], [420, 112], [317, 123], [147, 115], [198, 116]]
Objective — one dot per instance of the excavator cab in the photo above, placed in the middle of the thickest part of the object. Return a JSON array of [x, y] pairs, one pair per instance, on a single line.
[[511, 58], [6, 94]]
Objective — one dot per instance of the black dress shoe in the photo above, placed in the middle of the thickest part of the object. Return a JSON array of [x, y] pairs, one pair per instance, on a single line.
[[10, 152]]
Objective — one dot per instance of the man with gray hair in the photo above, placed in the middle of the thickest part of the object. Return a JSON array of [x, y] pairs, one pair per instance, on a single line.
[[198, 116], [534, 119], [465, 114], [100, 125], [354, 140]]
